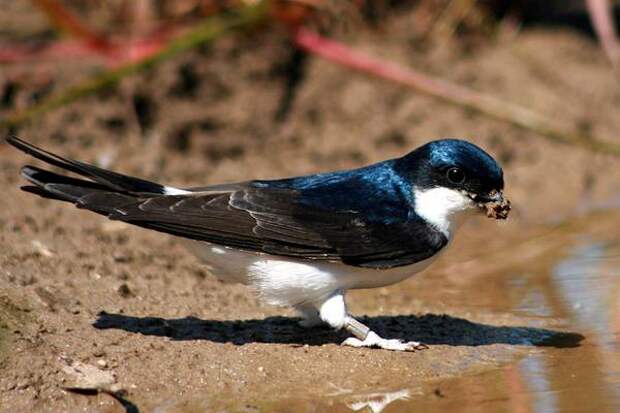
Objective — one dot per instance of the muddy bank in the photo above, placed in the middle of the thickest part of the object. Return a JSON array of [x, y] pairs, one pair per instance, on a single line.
[[77, 288]]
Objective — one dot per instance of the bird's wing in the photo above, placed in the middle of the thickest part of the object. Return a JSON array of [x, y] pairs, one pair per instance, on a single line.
[[260, 218], [276, 221]]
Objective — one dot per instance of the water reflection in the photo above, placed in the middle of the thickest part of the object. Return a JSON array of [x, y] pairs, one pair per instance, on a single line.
[[583, 289], [377, 402], [587, 286]]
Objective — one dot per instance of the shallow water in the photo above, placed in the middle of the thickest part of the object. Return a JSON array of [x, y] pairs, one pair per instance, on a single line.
[[577, 290], [584, 290]]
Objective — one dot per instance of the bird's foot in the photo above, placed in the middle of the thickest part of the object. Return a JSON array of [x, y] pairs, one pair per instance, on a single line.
[[373, 340]]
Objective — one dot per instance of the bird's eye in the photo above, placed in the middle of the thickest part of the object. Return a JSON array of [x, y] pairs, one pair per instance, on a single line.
[[455, 175]]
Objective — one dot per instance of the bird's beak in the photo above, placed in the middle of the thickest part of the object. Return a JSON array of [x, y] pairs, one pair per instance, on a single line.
[[494, 204]]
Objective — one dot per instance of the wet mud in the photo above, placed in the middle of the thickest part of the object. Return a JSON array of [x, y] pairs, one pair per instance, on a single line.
[[77, 290]]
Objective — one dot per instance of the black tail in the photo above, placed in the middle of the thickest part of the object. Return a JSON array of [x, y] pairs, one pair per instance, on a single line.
[[109, 179], [113, 188]]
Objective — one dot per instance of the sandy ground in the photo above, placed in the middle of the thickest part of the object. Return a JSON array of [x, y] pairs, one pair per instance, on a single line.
[[78, 290]]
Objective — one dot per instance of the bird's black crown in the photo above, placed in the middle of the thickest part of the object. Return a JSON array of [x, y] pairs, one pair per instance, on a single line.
[[454, 164]]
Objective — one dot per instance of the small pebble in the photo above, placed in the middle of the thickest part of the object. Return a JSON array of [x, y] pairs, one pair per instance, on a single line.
[[41, 248], [98, 353], [124, 290], [121, 257]]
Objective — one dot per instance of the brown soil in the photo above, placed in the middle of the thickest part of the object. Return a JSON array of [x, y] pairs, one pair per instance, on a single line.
[[77, 288]]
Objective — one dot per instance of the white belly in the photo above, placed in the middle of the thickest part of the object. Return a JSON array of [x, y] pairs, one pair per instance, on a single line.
[[288, 281]]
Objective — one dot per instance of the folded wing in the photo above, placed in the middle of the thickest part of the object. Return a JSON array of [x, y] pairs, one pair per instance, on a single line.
[[253, 217]]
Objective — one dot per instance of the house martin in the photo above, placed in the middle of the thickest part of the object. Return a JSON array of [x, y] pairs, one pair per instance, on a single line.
[[303, 241]]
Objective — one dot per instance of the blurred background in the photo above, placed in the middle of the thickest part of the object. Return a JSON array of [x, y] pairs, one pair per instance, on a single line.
[[522, 316]]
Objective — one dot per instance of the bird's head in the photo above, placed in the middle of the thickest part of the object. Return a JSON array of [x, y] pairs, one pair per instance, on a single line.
[[450, 176]]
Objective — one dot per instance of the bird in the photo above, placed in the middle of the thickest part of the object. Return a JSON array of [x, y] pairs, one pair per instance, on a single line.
[[304, 241]]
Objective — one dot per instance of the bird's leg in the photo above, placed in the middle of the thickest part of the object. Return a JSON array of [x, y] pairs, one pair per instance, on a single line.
[[334, 312], [358, 329]]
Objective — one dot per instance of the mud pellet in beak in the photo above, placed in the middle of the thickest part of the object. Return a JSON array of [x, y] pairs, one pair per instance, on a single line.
[[498, 209]]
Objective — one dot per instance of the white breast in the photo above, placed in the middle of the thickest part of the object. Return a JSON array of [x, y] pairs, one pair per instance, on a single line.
[[287, 281]]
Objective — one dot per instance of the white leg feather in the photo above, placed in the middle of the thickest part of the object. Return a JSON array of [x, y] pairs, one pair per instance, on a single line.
[[333, 310], [309, 316]]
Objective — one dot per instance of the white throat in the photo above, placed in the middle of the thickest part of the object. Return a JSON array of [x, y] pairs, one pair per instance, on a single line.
[[442, 207]]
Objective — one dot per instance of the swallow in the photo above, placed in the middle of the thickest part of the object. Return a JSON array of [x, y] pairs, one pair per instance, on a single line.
[[303, 241]]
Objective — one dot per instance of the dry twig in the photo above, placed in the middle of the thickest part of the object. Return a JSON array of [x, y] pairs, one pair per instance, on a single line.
[[602, 20]]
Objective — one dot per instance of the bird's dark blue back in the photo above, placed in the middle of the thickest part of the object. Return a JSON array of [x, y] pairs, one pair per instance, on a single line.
[[377, 192]]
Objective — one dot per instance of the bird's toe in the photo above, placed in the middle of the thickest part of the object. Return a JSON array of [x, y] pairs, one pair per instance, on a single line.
[[375, 341]]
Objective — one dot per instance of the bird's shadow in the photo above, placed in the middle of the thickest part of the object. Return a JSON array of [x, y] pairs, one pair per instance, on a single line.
[[429, 329]]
